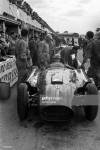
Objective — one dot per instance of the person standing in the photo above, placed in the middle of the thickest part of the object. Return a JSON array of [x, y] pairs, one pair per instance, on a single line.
[[33, 51], [72, 41], [84, 45], [57, 41], [51, 47], [37, 39], [43, 53], [12, 39], [22, 56], [3, 46], [68, 40], [93, 53], [80, 41]]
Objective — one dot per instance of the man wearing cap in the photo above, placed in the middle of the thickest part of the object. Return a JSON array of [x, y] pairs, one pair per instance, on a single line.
[[93, 53], [22, 56], [43, 53]]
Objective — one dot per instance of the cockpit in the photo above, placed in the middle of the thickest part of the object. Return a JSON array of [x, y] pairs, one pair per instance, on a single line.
[[57, 62]]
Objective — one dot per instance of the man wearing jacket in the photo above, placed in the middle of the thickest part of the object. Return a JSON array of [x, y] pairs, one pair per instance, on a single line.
[[33, 51], [93, 53], [22, 56], [43, 53]]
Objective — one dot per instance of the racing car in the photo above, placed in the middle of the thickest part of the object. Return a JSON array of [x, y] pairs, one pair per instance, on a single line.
[[55, 90]]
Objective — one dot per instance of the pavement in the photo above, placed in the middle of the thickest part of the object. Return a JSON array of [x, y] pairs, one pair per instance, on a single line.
[[36, 134]]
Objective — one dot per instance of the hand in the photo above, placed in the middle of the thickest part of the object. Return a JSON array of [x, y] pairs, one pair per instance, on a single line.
[[81, 67]]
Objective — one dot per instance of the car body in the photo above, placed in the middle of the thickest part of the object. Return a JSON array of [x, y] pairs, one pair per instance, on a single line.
[[55, 90]]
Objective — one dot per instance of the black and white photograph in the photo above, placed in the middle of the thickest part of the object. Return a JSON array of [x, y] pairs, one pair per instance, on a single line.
[[49, 75]]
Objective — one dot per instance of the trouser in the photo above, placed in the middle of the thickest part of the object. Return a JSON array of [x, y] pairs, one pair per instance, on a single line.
[[97, 77], [95, 74], [79, 45], [22, 75]]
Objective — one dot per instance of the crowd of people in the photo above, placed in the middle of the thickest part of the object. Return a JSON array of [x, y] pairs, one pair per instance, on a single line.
[[91, 50], [7, 44], [39, 50]]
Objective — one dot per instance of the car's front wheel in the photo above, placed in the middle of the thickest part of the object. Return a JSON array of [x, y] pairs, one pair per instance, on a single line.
[[91, 110], [22, 101]]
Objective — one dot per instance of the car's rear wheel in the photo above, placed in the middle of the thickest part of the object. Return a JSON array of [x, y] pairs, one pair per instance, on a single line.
[[22, 101], [91, 110]]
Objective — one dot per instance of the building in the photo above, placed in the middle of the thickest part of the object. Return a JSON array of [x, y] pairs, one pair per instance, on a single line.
[[16, 15]]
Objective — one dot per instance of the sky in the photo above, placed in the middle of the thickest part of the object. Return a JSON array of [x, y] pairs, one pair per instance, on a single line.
[[69, 15]]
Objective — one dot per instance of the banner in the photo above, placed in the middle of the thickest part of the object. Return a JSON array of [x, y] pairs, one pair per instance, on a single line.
[[8, 71]]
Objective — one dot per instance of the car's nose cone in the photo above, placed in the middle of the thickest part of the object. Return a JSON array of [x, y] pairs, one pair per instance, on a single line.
[[57, 113]]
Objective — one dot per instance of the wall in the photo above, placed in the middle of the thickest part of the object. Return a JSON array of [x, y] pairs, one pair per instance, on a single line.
[[18, 13], [12, 9]]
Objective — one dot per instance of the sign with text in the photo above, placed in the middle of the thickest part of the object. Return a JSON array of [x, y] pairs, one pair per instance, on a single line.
[[8, 71]]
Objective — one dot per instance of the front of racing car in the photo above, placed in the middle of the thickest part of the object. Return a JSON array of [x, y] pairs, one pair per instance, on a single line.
[[55, 90], [56, 94], [56, 86]]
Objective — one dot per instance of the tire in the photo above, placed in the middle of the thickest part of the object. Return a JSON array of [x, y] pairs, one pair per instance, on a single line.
[[75, 63], [91, 110], [22, 101]]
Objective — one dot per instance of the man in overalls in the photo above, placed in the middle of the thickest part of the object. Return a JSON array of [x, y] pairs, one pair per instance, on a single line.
[[22, 56]]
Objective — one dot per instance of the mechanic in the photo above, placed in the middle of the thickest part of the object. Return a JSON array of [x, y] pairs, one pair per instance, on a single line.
[[51, 47], [80, 41], [33, 51], [66, 54], [43, 53], [23, 58], [93, 53], [84, 45]]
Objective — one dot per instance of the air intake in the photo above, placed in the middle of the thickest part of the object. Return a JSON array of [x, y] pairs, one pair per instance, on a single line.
[[57, 113]]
